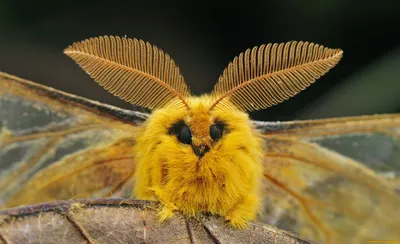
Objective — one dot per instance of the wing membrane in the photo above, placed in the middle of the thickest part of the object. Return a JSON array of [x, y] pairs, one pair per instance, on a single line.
[[324, 180], [54, 145]]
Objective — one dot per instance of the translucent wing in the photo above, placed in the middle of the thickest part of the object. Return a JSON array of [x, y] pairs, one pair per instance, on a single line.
[[54, 145], [334, 180]]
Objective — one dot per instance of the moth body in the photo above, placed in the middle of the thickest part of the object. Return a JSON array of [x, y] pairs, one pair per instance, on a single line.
[[219, 175], [201, 154]]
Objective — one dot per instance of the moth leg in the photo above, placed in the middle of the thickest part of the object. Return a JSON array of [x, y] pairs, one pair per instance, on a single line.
[[167, 209], [242, 212]]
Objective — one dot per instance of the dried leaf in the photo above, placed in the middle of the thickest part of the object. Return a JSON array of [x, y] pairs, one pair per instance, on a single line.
[[123, 221]]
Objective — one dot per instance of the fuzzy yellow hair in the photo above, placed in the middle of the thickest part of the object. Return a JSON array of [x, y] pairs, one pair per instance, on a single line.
[[226, 181]]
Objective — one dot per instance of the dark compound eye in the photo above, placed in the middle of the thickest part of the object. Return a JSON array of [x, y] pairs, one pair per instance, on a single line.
[[216, 130], [182, 132], [185, 135]]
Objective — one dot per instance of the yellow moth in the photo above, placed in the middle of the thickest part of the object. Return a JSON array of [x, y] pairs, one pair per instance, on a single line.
[[203, 154]]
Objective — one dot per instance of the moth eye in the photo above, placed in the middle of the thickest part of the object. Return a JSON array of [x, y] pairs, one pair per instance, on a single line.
[[182, 132], [216, 130], [185, 135]]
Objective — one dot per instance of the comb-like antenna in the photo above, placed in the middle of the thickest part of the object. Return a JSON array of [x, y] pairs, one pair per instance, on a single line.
[[267, 75], [133, 70]]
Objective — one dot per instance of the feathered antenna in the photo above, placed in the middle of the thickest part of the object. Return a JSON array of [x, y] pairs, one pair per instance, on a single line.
[[133, 70], [270, 74]]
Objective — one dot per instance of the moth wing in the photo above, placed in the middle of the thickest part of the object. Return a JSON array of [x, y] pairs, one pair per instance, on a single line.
[[55, 145], [334, 180]]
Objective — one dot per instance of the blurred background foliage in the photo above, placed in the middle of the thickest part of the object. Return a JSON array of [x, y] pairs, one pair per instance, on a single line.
[[202, 37]]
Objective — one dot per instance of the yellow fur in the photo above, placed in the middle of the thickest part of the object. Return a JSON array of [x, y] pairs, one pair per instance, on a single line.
[[225, 181]]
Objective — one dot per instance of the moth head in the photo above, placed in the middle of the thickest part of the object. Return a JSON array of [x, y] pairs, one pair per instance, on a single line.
[[199, 129], [258, 78]]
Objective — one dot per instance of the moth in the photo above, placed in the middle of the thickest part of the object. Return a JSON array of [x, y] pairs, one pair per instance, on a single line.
[[331, 180]]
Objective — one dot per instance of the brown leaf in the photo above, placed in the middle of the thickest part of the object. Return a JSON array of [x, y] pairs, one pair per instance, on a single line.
[[117, 220]]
